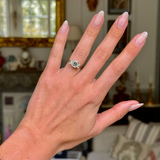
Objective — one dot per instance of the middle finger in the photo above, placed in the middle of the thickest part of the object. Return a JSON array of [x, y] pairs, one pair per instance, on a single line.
[[105, 49]]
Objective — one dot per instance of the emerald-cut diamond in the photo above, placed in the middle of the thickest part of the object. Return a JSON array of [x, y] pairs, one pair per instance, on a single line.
[[74, 63]]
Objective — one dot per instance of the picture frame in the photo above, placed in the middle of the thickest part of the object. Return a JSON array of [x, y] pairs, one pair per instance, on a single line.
[[125, 38], [119, 6]]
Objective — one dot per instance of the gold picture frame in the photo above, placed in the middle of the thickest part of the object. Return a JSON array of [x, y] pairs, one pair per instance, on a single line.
[[37, 42]]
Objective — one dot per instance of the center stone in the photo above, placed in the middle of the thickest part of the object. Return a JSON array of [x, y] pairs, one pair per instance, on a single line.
[[75, 64]]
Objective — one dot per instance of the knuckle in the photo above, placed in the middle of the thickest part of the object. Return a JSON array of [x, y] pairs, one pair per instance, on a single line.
[[91, 33], [117, 114], [118, 68], [130, 49], [93, 97], [80, 53], [55, 54], [60, 40], [115, 33], [102, 54], [45, 82]]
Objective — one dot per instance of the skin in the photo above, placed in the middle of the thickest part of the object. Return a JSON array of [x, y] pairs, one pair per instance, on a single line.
[[63, 109]]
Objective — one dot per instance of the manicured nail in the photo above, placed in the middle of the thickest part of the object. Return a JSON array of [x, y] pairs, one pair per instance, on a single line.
[[122, 20], [64, 27], [98, 19], [133, 107], [141, 39]]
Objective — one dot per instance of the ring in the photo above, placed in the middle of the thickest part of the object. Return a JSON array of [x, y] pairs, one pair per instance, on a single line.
[[74, 63]]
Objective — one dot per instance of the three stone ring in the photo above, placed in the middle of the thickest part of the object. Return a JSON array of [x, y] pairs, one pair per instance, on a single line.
[[74, 63]]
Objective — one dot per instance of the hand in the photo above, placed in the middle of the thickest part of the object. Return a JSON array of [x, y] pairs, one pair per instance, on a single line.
[[63, 109]]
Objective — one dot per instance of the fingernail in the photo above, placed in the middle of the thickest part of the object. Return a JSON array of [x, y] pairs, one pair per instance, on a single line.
[[133, 107], [98, 19], [122, 20], [64, 27], [141, 39]]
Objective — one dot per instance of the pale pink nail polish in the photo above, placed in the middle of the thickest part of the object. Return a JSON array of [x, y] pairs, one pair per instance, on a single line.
[[64, 27], [98, 19], [133, 107], [141, 39], [121, 22]]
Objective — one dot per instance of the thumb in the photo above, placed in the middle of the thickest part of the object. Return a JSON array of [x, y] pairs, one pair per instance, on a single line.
[[114, 114]]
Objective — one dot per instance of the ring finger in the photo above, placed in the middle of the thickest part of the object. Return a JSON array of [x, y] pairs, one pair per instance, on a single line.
[[83, 48]]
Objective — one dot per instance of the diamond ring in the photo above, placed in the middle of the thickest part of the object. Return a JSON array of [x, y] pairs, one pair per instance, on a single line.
[[74, 63]]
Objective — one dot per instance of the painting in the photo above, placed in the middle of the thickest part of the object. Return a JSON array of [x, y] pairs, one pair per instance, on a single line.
[[119, 6]]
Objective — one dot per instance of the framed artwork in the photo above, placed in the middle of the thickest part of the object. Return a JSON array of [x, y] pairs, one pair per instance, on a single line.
[[119, 6], [125, 38]]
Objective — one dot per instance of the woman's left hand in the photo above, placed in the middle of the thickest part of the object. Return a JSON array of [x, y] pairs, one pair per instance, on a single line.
[[63, 109]]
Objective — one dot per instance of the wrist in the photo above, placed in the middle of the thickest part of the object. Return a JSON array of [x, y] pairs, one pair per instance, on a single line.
[[24, 144]]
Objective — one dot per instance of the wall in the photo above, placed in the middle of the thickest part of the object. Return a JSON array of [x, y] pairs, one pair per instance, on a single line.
[[143, 17], [157, 71]]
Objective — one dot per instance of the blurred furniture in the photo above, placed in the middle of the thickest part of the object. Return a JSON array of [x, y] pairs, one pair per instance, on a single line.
[[138, 140], [24, 78], [74, 36], [103, 142]]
